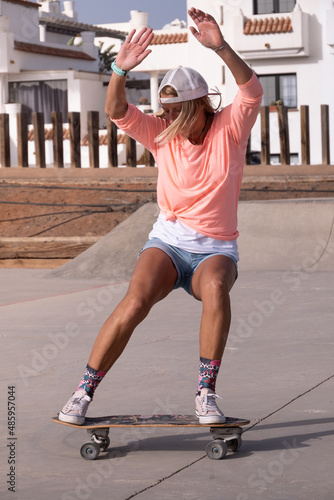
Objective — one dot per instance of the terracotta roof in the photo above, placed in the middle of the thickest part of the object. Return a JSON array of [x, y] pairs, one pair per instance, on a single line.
[[51, 51], [168, 38], [267, 26], [48, 134], [67, 26], [103, 139], [25, 3]]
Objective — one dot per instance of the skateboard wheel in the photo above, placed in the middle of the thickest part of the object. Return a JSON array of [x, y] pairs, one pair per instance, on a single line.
[[90, 451], [217, 449], [234, 444]]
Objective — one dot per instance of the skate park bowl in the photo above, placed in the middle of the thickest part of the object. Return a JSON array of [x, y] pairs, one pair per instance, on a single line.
[[280, 235]]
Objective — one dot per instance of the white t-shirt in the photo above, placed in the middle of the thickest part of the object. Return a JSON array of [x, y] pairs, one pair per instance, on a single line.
[[177, 234]]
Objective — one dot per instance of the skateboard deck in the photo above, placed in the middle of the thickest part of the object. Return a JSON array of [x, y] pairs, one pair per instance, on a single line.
[[227, 435]]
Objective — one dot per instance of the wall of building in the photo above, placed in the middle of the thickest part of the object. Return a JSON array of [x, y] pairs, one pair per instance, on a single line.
[[40, 62], [58, 38], [23, 21], [92, 96]]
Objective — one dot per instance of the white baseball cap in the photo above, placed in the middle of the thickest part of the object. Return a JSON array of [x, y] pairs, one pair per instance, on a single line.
[[187, 83]]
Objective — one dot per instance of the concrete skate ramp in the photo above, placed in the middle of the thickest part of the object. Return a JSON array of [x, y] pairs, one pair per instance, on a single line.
[[114, 256], [287, 235]]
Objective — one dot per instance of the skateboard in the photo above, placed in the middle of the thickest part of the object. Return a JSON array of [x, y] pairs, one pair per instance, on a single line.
[[226, 436]]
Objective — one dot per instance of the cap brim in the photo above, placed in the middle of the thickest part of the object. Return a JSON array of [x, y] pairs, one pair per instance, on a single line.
[[188, 95]]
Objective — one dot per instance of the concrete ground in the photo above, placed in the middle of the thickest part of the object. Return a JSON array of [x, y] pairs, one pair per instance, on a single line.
[[277, 371]]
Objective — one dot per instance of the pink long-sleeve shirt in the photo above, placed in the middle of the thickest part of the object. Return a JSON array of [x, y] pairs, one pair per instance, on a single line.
[[200, 185]]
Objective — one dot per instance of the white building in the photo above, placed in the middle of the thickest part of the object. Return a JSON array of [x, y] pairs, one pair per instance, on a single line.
[[37, 67], [288, 43]]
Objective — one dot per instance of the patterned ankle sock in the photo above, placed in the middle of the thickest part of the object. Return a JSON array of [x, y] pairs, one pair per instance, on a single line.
[[208, 372], [91, 380]]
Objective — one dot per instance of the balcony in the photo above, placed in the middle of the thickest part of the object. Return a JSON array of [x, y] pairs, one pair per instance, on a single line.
[[260, 37]]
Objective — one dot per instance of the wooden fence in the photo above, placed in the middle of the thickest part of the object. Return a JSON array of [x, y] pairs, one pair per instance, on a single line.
[[74, 133], [131, 154], [283, 126]]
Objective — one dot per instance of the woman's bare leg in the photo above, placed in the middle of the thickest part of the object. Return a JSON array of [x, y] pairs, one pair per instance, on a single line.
[[212, 282], [153, 279]]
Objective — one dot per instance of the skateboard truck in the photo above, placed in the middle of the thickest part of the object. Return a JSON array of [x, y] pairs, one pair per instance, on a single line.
[[225, 438], [100, 441]]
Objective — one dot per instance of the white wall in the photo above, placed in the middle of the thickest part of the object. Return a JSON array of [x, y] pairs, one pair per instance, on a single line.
[[165, 57], [96, 101], [23, 21], [39, 62], [86, 92], [58, 38]]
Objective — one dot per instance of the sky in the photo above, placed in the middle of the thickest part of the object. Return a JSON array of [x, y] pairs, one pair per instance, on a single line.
[[113, 11]]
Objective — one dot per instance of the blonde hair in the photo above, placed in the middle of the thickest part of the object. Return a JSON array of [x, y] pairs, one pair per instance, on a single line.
[[185, 121]]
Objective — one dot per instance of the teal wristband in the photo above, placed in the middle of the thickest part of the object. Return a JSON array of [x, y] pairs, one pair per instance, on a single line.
[[117, 70]]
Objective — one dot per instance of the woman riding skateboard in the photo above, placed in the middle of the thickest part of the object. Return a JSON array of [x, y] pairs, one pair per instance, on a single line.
[[200, 155]]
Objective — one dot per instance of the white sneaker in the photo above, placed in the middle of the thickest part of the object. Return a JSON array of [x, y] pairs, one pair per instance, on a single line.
[[74, 412], [206, 408]]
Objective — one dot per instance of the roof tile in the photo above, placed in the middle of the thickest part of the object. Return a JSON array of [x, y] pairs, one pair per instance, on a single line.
[[169, 38], [24, 3], [51, 51], [267, 26]]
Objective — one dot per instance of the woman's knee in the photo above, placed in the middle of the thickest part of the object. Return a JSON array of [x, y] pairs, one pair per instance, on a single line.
[[137, 307], [215, 293], [214, 278]]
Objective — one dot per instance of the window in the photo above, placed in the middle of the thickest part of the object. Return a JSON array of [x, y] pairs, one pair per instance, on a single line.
[[273, 6], [279, 88], [40, 96]]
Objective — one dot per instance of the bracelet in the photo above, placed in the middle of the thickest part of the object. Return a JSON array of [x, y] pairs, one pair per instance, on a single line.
[[118, 70], [218, 48]]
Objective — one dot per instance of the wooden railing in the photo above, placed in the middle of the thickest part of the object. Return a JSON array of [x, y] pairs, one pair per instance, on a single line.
[[283, 127], [74, 135]]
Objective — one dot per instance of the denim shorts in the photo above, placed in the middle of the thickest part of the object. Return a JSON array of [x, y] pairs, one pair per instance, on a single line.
[[185, 262]]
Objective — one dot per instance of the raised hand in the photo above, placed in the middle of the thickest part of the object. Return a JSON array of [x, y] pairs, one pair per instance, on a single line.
[[208, 33], [134, 49]]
